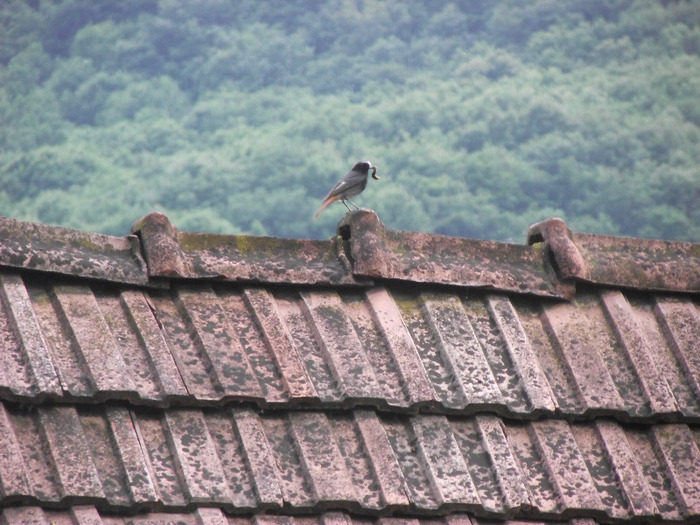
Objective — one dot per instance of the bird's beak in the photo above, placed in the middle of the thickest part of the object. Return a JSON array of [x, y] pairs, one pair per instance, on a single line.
[[374, 172]]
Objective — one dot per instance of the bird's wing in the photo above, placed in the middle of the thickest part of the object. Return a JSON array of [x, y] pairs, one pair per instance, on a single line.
[[351, 180]]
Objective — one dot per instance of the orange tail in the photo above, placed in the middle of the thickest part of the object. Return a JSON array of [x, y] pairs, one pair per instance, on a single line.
[[328, 201]]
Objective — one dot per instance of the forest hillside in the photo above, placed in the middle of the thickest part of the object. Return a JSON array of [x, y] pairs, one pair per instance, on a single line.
[[483, 117]]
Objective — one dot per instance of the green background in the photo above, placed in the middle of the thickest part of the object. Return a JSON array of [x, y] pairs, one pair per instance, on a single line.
[[238, 116]]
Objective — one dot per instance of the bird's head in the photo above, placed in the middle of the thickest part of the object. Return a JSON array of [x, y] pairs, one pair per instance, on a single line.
[[364, 167]]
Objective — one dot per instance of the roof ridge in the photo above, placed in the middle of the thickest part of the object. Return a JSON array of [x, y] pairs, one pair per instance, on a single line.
[[361, 252]]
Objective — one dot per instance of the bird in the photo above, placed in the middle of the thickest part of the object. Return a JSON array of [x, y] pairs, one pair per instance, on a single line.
[[349, 186]]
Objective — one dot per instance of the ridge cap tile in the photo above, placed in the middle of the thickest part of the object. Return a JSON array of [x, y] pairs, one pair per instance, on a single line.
[[361, 251], [627, 262], [171, 253], [379, 252], [66, 251]]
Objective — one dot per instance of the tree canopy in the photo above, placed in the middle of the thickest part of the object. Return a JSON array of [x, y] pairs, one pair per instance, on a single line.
[[237, 117]]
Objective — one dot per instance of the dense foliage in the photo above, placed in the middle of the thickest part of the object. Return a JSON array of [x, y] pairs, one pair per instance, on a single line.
[[237, 117]]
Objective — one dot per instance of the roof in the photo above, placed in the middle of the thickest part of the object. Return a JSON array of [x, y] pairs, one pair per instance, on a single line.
[[378, 376]]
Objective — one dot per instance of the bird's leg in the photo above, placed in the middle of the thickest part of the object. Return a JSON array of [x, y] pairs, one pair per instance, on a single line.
[[348, 207], [356, 206]]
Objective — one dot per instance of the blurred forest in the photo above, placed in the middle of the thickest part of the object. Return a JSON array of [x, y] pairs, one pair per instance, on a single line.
[[238, 116]]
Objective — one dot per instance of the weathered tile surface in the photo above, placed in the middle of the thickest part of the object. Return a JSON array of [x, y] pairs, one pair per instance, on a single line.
[[26, 245], [359, 461], [604, 353]]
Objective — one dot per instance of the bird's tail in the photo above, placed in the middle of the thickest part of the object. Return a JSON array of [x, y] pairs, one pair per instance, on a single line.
[[325, 204]]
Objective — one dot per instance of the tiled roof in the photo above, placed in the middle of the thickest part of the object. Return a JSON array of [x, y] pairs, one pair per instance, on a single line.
[[193, 378]]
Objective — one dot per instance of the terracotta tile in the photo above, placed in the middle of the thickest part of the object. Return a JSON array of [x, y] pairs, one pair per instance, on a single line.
[[26, 367], [412, 377], [340, 345], [631, 337], [514, 492], [69, 453], [90, 339], [133, 324], [575, 334], [195, 458], [13, 471], [279, 343], [625, 466], [321, 462], [682, 460], [216, 343], [258, 456], [447, 469], [460, 350], [522, 358], [680, 321], [171, 253], [382, 459]]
